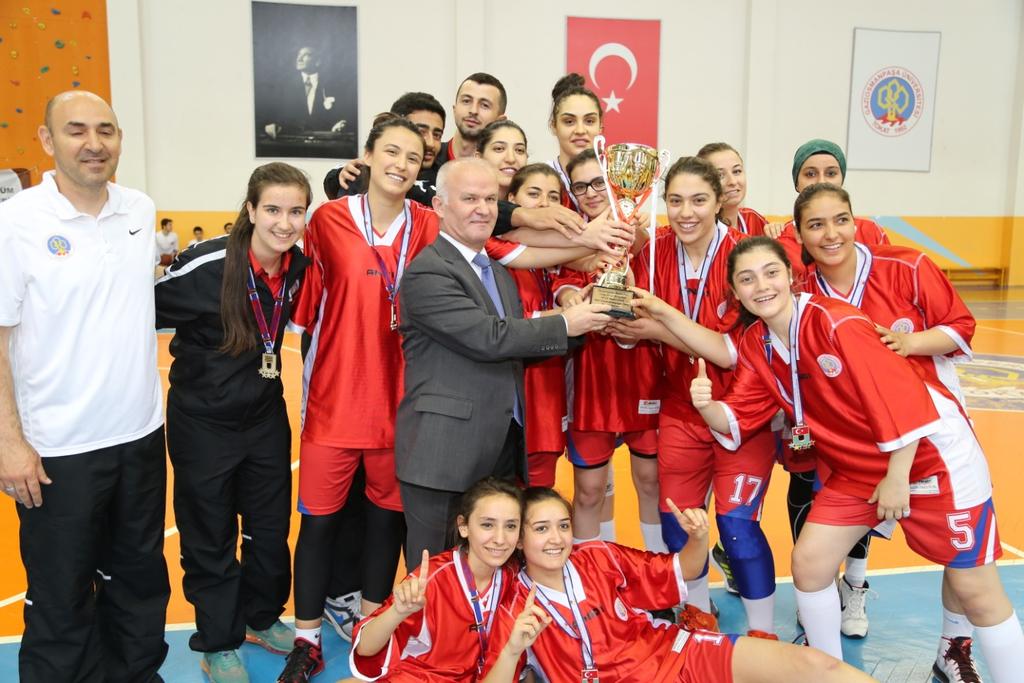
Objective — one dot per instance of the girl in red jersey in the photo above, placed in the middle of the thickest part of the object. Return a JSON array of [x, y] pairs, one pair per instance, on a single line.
[[690, 274], [359, 246], [729, 164], [615, 396], [576, 118], [503, 144], [538, 185], [898, 449], [436, 625], [919, 315], [581, 614]]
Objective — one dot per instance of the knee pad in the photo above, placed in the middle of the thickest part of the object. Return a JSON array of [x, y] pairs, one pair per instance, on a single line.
[[675, 538], [750, 556]]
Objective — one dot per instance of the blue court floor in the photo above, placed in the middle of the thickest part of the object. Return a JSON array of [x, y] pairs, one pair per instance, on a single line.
[[905, 620]]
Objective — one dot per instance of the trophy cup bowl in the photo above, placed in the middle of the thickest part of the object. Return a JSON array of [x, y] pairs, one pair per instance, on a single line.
[[630, 172]]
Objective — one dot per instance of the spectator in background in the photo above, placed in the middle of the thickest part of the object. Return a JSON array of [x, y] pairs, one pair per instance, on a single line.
[[166, 242], [227, 228], [197, 236]]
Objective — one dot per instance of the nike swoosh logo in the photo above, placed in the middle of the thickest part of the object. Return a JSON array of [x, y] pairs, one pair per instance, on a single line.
[[135, 231]]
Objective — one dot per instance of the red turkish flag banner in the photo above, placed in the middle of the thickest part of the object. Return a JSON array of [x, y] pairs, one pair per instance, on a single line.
[[619, 58]]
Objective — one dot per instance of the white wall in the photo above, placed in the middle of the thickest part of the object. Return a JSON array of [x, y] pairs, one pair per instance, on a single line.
[[765, 75]]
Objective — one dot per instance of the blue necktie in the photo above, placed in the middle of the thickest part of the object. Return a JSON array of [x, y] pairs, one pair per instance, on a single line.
[[487, 277]]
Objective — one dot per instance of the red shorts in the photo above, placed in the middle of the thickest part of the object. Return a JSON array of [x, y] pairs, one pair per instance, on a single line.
[[326, 472], [688, 468], [953, 538], [594, 449], [708, 657], [542, 468]]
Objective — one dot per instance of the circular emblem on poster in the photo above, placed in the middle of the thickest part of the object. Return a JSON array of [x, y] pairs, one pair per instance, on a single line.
[[892, 101]]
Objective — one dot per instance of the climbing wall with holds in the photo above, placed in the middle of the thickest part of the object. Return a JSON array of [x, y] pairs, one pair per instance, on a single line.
[[46, 48]]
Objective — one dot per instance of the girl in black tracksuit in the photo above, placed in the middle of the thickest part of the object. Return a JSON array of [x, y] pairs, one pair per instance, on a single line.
[[227, 427]]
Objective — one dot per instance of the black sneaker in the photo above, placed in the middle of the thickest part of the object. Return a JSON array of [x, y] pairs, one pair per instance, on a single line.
[[304, 661], [720, 561]]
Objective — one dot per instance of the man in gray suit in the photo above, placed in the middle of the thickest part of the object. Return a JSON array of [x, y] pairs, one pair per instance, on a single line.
[[464, 338]]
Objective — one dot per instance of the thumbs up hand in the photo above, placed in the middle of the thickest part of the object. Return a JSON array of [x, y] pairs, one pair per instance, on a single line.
[[700, 387]]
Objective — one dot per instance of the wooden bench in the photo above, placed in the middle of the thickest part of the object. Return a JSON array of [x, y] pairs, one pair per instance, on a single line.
[[994, 276]]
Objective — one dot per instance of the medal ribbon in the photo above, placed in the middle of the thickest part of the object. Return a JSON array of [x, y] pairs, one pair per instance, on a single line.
[[580, 632], [261, 320], [483, 631], [860, 282], [557, 165], [702, 275], [391, 285], [543, 278]]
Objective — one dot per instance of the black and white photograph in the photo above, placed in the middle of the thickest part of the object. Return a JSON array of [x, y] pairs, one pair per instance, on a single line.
[[305, 84]]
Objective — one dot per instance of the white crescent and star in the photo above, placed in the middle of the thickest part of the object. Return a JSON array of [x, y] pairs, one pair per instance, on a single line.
[[613, 50]]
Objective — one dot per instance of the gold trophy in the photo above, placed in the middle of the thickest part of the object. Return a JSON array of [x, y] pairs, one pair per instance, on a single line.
[[631, 172]]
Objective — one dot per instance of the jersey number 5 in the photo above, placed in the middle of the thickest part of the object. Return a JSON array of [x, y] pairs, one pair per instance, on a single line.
[[960, 524]]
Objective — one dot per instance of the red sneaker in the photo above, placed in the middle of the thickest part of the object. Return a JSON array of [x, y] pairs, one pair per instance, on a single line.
[[693, 618], [305, 661], [764, 635]]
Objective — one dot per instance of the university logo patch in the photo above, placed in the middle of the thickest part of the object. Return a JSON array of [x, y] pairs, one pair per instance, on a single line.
[[902, 325], [58, 245], [892, 101], [830, 365], [620, 610]]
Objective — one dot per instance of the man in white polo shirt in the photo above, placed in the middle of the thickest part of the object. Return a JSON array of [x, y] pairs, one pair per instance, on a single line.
[[81, 418]]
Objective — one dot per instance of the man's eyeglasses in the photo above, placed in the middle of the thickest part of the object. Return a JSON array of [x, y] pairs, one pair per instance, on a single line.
[[579, 188]]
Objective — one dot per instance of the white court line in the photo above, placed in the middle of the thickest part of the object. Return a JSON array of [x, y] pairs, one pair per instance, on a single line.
[[1010, 549], [998, 329], [292, 349]]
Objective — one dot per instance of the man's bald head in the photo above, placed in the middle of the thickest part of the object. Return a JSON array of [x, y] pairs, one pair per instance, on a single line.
[[70, 97], [82, 135]]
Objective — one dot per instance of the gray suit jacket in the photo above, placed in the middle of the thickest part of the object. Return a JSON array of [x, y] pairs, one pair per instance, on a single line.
[[462, 364]]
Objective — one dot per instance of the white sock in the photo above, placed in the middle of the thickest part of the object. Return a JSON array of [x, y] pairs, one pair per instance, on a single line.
[[1002, 646], [608, 531], [856, 571], [577, 541], [311, 635], [760, 613], [821, 614], [954, 626], [652, 537], [698, 594]]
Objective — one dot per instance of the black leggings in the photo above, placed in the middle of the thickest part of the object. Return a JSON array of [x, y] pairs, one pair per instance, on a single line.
[[798, 502], [315, 553]]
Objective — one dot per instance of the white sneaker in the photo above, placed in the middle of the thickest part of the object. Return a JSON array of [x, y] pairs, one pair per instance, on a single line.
[[954, 663], [855, 616], [344, 613]]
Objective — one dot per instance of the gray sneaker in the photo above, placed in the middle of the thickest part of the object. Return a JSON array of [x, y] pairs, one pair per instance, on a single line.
[[343, 613], [224, 667]]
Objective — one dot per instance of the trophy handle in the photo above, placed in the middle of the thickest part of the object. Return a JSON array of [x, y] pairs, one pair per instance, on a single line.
[[602, 162], [664, 157]]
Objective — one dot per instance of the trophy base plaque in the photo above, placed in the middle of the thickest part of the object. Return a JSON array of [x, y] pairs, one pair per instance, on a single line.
[[618, 299]]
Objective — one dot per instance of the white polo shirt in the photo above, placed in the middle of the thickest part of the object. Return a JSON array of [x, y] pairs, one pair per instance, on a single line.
[[78, 293]]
